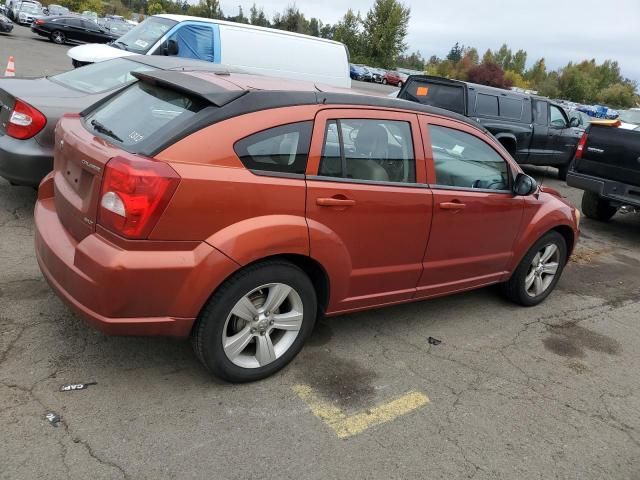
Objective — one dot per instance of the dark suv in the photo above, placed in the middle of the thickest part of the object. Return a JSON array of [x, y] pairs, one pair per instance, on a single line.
[[533, 129]]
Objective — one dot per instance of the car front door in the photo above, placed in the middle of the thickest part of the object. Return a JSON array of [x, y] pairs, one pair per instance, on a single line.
[[368, 206], [562, 138], [75, 29], [475, 217]]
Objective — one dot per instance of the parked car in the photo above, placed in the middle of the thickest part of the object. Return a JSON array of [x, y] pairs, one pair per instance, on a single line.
[[62, 30], [367, 75], [355, 72], [606, 167], [533, 129], [28, 13], [393, 78], [236, 209], [116, 27], [55, 10], [6, 25], [581, 121], [377, 75], [31, 108], [15, 6], [307, 58]]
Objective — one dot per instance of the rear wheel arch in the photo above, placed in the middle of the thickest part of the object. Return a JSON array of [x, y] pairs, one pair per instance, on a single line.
[[509, 142]]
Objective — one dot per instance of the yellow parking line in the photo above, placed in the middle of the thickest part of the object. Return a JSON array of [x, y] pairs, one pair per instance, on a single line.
[[345, 426]]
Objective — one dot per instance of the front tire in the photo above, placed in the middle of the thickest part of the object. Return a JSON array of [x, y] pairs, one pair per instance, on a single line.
[[256, 322], [538, 272], [58, 37], [597, 208], [384, 81], [400, 84]]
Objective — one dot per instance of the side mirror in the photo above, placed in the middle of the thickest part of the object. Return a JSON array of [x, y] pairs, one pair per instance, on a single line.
[[171, 48], [524, 185], [575, 122]]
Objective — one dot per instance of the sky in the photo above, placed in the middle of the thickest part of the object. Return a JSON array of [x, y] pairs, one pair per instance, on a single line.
[[558, 30]]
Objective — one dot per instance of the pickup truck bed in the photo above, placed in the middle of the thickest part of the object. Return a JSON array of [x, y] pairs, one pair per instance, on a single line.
[[607, 168]]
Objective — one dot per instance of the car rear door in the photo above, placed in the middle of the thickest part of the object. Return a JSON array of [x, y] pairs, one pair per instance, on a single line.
[[368, 207], [539, 148], [476, 216]]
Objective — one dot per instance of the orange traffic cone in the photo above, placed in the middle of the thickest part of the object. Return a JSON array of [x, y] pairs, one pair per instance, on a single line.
[[11, 68]]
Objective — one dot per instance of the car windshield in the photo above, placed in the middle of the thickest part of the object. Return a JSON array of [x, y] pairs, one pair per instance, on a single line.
[[29, 8], [630, 116], [101, 77], [142, 37]]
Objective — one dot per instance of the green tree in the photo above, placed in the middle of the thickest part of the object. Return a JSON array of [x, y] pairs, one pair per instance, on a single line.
[[385, 30], [577, 85], [619, 95], [155, 8], [347, 31], [537, 74], [518, 62], [92, 5], [315, 26], [327, 31], [488, 57], [207, 9], [291, 20], [455, 54], [503, 56], [257, 17]]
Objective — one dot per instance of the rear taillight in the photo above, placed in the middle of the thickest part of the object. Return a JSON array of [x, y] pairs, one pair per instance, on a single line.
[[581, 144], [134, 194], [39, 22], [25, 121]]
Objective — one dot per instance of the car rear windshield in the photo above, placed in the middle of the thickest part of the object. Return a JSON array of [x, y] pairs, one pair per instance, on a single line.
[[142, 37], [449, 97], [102, 76], [138, 116]]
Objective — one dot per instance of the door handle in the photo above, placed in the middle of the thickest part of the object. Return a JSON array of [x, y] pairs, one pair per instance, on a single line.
[[335, 202], [452, 205]]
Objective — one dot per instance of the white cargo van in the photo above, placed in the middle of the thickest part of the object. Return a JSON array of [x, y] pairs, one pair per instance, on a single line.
[[253, 49]]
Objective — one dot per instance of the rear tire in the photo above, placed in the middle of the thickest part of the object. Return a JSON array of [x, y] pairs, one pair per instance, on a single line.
[[58, 37], [239, 310], [532, 281], [400, 84], [596, 207], [384, 81]]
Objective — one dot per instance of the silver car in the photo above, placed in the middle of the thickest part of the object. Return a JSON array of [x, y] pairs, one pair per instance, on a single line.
[[30, 108]]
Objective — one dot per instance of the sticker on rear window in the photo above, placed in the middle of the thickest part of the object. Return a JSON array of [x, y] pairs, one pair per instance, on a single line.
[[141, 43], [135, 136], [422, 91]]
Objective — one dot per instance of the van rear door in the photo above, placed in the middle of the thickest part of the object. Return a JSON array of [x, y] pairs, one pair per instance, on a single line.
[[436, 92]]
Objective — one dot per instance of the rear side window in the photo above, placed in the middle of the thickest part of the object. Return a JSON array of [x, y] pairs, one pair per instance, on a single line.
[[141, 114], [487, 105], [370, 150], [510, 108], [449, 97], [281, 149]]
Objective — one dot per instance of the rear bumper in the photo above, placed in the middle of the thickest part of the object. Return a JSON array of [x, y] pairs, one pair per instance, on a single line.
[[621, 193], [24, 162], [156, 292]]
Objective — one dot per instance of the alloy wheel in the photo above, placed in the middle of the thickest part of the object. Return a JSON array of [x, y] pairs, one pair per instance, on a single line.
[[262, 325], [542, 271]]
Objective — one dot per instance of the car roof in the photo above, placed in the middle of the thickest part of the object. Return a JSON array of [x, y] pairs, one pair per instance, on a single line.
[[220, 88]]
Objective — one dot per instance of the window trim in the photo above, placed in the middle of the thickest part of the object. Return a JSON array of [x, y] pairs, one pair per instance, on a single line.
[[343, 161]]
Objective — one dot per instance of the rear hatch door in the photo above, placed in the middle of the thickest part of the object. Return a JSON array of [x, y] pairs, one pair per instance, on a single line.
[[611, 153], [436, 92]]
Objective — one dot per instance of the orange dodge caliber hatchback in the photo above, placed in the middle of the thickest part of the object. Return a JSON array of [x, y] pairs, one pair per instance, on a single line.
[[236, 209]]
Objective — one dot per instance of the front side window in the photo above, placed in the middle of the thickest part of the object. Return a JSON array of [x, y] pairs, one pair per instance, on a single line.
[[102, 76], [556, 117], [540, 112], [281, 149], [463, 160], [373, 150], [195, 41]]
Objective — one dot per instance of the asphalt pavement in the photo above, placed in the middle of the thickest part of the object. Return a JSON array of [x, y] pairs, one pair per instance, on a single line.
[[509, 392]]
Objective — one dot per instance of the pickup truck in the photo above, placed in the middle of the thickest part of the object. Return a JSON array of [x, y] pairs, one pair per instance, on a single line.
[[607, 168], [533, 129]]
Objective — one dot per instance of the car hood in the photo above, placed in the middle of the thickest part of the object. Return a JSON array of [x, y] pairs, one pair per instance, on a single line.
[[96, 52]]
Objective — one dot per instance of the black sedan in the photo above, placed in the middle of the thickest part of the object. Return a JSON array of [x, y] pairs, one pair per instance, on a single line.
[[6, 25], [71, 29]]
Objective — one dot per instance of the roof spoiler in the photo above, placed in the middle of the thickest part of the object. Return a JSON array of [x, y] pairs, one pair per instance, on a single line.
[[191, 85]]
